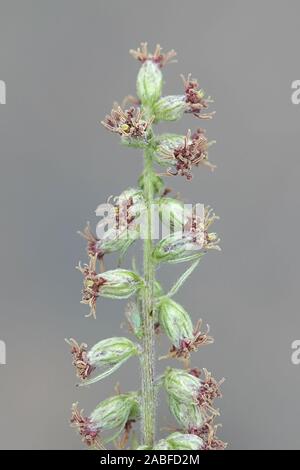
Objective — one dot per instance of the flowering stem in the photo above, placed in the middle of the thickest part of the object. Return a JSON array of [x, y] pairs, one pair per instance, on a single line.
[[190, 398], [148, 388]]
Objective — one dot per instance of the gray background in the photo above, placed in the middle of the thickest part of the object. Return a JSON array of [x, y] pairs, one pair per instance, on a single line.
[[64, 63]]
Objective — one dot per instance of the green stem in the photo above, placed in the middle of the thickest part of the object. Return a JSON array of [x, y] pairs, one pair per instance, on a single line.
[[148, 388]]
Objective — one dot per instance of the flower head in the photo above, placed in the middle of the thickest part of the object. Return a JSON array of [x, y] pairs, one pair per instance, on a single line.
[[107, 356], [114, 284], [185, 387], [158, 57], [128, 124], [194, 239], [193, 152], [122, 223], [172, 107], [118, 238], [178, 327], [194, 98], [113, 413], [189, 345]]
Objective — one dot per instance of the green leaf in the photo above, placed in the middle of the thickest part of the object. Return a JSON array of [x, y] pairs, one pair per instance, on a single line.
[[183, 278], [186, 258]]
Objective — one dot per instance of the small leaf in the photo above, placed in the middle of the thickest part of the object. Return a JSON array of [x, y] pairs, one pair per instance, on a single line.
[[183, 278], [186, 258]]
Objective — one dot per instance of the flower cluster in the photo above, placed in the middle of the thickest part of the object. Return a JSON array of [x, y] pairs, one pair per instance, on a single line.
[[108, 354], [188, 345], [192, 153], [114, 284], [190, 241], [178, 326], [191, 393], [129, 123], [123, 225], [114, 413], [191, 390], [172, 107]]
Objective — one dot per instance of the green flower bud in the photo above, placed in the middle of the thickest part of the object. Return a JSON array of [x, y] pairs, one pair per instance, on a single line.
[[111, 414], [119, 283], [182, 385], [112, 351], [178, 327], [189, 389], [175, 321], [179, 441], [188, 416], [114, 412], [108, 354], [169, 108], [149, 83], [175, 248]]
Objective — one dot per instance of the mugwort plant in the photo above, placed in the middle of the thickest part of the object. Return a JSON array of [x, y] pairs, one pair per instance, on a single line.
[[151, 310]]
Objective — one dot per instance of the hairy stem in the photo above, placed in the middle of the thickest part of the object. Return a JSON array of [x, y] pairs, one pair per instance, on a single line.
[[148, 390]]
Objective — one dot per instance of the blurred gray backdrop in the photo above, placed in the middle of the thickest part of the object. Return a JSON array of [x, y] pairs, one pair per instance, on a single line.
[[64, 63]]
